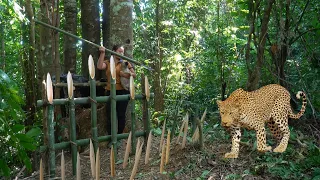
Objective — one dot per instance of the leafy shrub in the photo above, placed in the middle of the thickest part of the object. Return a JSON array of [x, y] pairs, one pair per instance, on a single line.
[[14, 141]]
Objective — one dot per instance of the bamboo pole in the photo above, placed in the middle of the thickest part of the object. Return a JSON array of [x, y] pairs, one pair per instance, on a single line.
[[84, 142], [93, 44], [133, 112], [86, 100], [93, 96], [145, 107], [52, 154], [73, 135], [114, 121]]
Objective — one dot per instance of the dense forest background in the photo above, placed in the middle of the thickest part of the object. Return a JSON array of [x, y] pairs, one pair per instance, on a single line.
[[199, 50]]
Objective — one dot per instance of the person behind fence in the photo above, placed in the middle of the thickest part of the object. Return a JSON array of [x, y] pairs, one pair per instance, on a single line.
[[121, 107]]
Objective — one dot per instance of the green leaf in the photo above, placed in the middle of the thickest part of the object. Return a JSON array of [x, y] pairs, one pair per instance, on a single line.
[[4, 168], [34, 132], [205, 173], [24, 138], [17, 128], [28, 146]]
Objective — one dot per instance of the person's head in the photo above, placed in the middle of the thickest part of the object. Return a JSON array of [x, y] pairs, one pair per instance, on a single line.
[[118, 49]]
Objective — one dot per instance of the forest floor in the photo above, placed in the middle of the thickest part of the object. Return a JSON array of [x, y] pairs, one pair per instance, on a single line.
[[192, 163]]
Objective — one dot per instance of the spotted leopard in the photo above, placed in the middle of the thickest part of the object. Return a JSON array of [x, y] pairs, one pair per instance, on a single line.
[[270, 104]]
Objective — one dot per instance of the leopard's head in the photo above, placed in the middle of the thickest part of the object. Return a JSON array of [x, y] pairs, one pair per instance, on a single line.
[[229, 113]]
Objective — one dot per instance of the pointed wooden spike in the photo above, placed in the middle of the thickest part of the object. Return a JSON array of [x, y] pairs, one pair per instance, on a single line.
[[136, 162], [162, 135], [137, 147], [132, 89], [185, 132], [112, 163], [147, 88], [70, 85], [195, 136], [63, 167], [49, 89], [41, 170], [78, 167], [162, 156], [112, 68], [203, 116], [181, 129], [168, 147], [91, 67], [92, 160], [98, 165], [128, 149], [146, 161]]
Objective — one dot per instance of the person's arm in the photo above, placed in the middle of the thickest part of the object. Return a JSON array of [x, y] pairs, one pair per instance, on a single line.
[[127, 75], [101, 65]]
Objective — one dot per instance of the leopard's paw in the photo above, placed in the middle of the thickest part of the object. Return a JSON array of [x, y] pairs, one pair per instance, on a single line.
[[231, 155], [279, 149]]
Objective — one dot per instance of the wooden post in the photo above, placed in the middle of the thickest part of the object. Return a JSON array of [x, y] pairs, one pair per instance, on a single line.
[[145, 105], [93, 96]]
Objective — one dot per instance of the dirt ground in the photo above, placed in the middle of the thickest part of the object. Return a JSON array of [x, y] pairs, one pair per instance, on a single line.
[[187, 163]]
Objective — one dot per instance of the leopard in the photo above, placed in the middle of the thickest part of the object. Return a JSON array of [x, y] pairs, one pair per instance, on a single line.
[[253, 110]]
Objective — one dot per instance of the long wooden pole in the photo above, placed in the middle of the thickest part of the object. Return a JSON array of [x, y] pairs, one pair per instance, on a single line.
[[91, 43]]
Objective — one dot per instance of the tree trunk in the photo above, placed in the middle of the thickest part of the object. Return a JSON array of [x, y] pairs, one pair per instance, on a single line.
[[254, 77], [2, 48], [157, 64], [90, 23], [121, 30], [69, 50]]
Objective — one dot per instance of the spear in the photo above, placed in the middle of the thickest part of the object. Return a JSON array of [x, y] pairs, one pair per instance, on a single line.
[[91, 43]]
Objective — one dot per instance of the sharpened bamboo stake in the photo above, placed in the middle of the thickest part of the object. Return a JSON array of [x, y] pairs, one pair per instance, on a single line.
[[146, 161], [63, 167], [168, 147], [92, 160], [91, 67], [162, 135], [195, 136], [147, 88], [132, 92], [41, 170], [112, 163], [78, 167], [112, 68], [70, 85], [181, 129], [136, 162], [162, 157], [98, 165], [137, 148], [49, 89], [185, 132], [126, 154]]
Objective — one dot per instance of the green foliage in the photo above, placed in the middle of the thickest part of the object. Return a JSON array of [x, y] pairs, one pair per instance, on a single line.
[[15, 143]]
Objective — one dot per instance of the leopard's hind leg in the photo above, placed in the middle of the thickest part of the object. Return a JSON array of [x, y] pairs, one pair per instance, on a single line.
[[280, 117], [274, 130]]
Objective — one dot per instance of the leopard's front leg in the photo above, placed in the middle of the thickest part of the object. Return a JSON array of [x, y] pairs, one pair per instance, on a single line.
[[235, 135], [262, 140]]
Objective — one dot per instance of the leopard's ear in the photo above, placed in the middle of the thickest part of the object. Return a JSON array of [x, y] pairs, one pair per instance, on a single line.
[[219, 102]]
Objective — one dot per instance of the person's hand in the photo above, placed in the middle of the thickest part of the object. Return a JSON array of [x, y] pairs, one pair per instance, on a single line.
[[102, 49]]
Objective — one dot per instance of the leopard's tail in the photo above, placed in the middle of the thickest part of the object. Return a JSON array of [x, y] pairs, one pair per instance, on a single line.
[[303, 108]]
